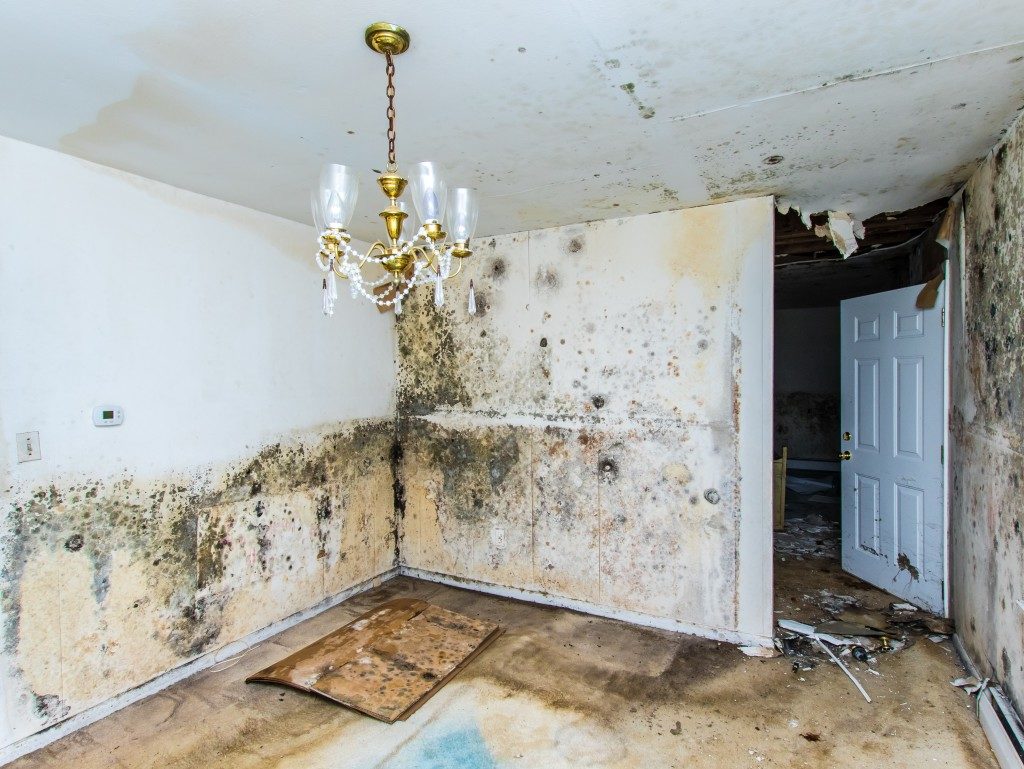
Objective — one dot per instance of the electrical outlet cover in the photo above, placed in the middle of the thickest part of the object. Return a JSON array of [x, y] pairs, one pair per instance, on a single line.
[[28, 447]]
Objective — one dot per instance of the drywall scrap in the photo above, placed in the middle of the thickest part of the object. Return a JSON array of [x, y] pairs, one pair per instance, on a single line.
[[387, 662], [843, 230]]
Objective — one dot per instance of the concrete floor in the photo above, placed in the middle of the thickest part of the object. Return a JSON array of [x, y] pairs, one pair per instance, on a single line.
[[560, 689]]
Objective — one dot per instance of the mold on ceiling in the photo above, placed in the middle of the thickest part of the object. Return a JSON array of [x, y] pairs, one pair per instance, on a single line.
[[557, 112]]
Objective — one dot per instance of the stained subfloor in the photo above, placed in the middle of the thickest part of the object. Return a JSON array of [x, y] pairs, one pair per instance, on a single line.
[[561, 689]]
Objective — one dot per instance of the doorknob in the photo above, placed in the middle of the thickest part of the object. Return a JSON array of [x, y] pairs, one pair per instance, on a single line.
[[845, 455]]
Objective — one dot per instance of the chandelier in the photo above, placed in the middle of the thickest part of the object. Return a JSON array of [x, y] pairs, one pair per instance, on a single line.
[[396, 265]]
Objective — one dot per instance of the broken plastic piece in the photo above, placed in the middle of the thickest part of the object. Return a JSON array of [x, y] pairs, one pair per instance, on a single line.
[[845, 669], [971, 684]]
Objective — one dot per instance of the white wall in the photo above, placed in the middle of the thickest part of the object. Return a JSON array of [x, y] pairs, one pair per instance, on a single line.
[[237, 485], [201, 318]]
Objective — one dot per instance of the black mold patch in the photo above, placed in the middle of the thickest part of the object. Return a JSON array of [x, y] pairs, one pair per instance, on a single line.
[[397, 456], [50, 708], [608, 469], [546, 279], [431, 372], [645, 112], [598, 401], [477, 464], [178, 530], [498, 269]]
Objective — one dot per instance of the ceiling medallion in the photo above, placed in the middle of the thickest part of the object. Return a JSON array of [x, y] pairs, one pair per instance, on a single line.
[[424, 259]]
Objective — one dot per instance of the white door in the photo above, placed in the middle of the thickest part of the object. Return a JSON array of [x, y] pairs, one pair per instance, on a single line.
[[893, 416]]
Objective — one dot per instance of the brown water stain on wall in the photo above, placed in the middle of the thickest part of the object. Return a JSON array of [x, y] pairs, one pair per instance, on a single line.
[[592, 410], [142, 575]]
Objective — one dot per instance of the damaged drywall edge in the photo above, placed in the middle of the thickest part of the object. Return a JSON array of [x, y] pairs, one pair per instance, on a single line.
[[470, 419], [165, 680], [842, 228], [586, 607]]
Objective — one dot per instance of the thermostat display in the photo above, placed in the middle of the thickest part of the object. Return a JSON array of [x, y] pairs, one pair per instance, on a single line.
[[107, 416]]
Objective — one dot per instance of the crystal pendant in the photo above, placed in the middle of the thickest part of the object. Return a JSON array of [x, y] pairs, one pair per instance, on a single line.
[[328, 302], [438, 291], [472, 299], [332, 283], [398, 304]]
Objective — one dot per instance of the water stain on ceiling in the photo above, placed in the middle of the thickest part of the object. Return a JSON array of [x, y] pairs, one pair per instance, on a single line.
[[558, 113]]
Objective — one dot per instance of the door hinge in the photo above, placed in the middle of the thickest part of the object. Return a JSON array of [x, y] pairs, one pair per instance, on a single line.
[[943, 317], [942, 454]]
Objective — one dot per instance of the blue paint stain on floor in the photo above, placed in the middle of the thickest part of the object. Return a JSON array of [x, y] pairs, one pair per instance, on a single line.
[[459, 748]]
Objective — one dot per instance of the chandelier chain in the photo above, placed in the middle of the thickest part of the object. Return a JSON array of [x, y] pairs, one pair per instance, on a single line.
[[392, 163]]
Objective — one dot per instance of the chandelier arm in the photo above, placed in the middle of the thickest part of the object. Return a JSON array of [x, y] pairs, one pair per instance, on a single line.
[[457, 271], [368, 257]]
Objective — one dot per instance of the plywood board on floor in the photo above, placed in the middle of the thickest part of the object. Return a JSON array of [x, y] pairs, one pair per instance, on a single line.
[[387, 662]]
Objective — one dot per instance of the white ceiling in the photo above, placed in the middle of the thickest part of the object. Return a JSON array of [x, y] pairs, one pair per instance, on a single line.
[[558, 112]]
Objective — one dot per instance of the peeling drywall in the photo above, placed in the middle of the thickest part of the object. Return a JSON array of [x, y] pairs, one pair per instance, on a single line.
[[987, 369], [562, 439]]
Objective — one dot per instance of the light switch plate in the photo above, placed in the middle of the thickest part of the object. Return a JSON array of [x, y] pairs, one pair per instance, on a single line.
[[28, 447]]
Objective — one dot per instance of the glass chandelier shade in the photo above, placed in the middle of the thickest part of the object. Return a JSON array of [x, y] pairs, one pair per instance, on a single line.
[[396, 263], [463, 210], [429, 191], [339, 191]]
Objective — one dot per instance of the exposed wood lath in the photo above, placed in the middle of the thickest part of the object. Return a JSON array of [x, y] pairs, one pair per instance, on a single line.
[[796, 243], [898, 250]]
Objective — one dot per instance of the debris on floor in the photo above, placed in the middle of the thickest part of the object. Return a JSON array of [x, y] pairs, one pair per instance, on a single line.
[[389, 661], [808, 537], [862, 635], [971, 684]]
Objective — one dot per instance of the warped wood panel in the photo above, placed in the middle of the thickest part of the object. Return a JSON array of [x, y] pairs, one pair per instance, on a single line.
[[387, 662]]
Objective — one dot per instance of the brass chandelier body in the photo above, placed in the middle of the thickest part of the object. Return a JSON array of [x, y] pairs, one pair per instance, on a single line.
[[425, 258]]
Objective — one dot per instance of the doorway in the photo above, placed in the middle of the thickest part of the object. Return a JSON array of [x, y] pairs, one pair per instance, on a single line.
[[821, 555]]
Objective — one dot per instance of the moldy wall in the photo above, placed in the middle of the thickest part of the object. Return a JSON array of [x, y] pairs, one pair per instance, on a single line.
[[807, 382], [567, 438], [251, 478], [987, 455]]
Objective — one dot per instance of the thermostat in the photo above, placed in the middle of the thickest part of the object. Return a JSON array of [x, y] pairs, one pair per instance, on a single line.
[[107, 416]]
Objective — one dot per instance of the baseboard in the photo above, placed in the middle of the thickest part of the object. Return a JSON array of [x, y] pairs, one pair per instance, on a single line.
[[1003, 728], [79, 721], [999, 719], [586, 607], [96, 712]]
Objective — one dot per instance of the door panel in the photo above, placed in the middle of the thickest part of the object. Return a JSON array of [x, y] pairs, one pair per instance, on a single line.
[[865, 403], [892, 403], [868, 516]]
